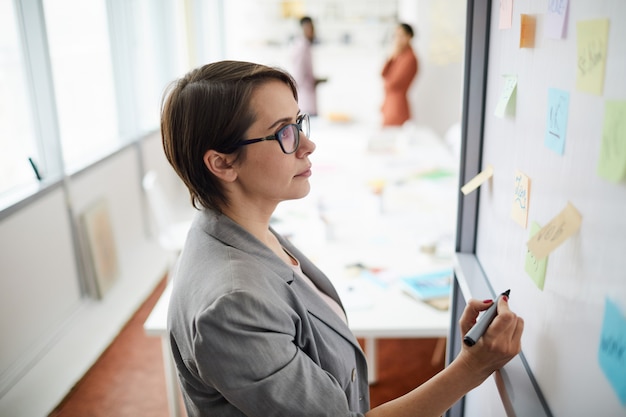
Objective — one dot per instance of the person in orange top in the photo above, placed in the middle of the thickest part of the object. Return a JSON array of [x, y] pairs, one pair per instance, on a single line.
[[398, 73]]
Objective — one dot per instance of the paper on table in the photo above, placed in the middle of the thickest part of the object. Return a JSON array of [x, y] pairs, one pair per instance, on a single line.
[[564, 225], [477, 181]]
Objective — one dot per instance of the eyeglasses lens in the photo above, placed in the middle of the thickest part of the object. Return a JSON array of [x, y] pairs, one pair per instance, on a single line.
[[288, 138], [305, 125]]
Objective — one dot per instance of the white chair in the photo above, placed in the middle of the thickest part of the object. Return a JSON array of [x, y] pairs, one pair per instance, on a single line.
[[170, 230]]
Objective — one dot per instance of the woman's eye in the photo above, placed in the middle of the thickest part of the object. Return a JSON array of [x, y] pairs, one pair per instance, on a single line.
[[284, 132]]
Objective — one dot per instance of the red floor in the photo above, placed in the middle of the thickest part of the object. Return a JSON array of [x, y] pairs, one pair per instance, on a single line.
[[128, 379]]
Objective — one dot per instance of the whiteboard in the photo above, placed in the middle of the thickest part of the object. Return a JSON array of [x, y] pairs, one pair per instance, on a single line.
[[564, 320]]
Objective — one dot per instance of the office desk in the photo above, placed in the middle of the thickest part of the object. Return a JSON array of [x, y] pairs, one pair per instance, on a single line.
[[391, 210]]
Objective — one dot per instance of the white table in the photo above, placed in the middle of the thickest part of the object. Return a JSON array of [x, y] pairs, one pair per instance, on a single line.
[[342, 222]]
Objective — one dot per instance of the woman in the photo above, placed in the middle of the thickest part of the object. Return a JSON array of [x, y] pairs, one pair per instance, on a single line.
[[398, 73], [255, 328], [302, 67]]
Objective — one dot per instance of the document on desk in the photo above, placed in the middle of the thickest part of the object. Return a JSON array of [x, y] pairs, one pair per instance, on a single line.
[[354, 296]]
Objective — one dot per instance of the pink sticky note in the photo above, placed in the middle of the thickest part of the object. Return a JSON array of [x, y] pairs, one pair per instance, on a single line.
[[506, 14]]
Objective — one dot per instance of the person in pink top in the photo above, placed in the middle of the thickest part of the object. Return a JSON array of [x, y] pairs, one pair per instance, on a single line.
[[302, 67], [398, 73]]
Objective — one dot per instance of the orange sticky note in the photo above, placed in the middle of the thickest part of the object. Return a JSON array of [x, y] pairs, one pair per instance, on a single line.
[[560, 228], [527, 31], [521, 198], [477, 181]]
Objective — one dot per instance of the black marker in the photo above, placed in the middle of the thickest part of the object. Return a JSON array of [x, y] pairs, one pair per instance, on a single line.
[[479, 328]]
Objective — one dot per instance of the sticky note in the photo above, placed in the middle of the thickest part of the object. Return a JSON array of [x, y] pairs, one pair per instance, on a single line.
[[612, 349], [477, 181], [528, 24], [556, 125], [556, 18], [535, 268], [521, 197], [592, 38], [506, 103], [506, 14], [612, 161], [557, 231]]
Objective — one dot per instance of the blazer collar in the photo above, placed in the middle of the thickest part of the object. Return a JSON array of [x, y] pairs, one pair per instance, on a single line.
[[224, 229]]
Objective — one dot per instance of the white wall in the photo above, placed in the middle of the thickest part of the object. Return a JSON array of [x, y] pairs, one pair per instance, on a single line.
[[353, 69], [436, 94], [51, 331]]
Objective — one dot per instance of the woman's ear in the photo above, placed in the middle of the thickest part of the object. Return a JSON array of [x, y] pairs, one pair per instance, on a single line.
[[220, 165]]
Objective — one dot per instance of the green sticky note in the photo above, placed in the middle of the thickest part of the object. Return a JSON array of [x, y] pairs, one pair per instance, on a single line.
[[536, 269], [506, 102], [612, 161]]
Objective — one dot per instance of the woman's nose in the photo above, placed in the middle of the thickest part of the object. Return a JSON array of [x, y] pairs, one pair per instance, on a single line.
[[307, 146]]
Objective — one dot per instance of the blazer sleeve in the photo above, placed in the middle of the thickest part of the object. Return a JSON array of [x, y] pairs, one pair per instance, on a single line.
[[257, 363]]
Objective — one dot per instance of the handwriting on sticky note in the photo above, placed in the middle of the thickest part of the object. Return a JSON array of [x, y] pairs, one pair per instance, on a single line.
[[612, 348], [612, 161], [557, 231], [535, 268], [477, 181], [556, 18], [504, 105], [521, 197], [506, 14], [528, 24], [556, 125], [592, 46]]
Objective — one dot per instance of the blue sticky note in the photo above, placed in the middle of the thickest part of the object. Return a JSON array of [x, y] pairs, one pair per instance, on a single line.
[[556, 126], [612, 350]]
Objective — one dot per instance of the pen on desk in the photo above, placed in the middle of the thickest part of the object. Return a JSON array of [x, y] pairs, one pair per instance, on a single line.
[[479, 328]]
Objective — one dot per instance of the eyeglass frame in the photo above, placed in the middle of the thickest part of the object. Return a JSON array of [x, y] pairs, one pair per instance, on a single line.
[[299, 128]]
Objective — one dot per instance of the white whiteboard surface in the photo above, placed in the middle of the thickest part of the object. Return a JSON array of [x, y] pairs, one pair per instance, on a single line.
[[563, 321]]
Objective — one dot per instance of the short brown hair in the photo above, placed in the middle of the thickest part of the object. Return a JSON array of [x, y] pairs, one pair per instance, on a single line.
[[209, 108]]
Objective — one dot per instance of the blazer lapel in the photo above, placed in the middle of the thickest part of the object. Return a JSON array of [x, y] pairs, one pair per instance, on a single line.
[[317, 306]]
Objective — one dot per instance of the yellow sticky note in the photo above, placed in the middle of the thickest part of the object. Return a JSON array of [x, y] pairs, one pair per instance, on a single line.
[[527, 31], [506, 97], [592, 46], [536, 269], [521, 198], [560, 228], [477, 181], [612, 161]]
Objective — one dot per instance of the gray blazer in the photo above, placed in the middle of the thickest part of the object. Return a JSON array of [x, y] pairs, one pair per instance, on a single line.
[[250, 338]]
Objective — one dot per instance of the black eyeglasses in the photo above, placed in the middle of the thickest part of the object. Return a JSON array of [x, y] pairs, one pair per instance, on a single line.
[[288, 136]]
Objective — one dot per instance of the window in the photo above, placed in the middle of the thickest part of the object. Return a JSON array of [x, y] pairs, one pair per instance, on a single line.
[[78, 80], [82, 70], [17, 136]]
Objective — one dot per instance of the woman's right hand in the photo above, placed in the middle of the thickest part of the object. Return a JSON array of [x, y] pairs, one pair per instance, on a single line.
[[498, 345]]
